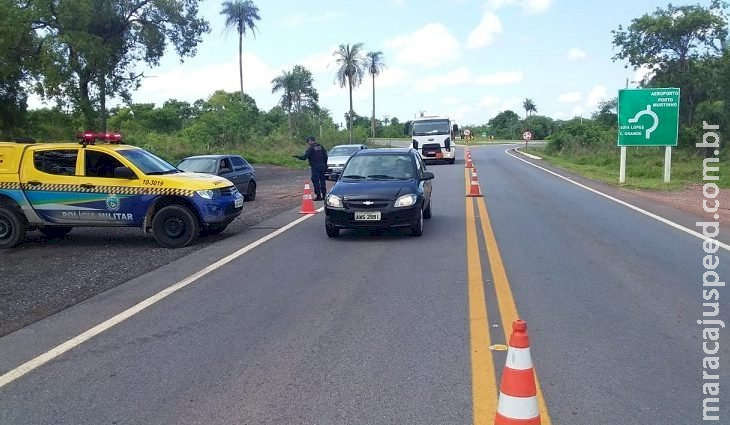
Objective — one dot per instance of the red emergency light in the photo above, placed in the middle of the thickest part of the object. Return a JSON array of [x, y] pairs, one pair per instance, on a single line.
[[90, 138]]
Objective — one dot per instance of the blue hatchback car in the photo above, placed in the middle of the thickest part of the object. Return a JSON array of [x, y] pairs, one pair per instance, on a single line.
[[380, 189]]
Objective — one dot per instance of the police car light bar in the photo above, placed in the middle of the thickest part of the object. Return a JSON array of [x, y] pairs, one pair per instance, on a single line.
[[90, 138]]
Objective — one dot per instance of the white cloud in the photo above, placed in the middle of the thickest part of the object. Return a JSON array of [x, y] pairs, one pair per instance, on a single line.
[[451, 101], [597, 94], [489, 101], [512, 103], [428, 47], [500, 78], [318, 62], [527, 6], [576, 54], [577, 111], [570, 97], [390, 77], [257, 75], [458, 76], [483, 34]]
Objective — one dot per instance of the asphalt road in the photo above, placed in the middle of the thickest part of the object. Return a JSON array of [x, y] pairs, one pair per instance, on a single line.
[[377, 329]]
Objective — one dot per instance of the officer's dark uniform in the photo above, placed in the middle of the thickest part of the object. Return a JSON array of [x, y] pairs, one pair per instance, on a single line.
[[317, 156]]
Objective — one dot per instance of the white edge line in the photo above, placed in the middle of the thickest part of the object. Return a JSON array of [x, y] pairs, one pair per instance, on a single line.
[[626, 204], [51, 354], [529, 155]]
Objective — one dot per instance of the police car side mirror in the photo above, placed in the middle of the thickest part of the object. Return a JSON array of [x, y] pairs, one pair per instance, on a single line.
[[124, 173]]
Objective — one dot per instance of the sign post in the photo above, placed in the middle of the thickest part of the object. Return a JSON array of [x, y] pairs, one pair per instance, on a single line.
[[526, 136], [648, 117]]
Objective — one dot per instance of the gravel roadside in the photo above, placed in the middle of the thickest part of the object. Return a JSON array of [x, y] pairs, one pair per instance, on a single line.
[[41, 277]]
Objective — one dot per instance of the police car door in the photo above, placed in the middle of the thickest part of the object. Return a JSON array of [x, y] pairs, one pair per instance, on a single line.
[[49, 177], [109, 200]]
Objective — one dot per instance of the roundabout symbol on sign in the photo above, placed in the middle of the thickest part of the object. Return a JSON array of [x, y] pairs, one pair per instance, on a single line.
[[526, 135]]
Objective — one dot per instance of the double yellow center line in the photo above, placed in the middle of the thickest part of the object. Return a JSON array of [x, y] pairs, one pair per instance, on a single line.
[[484, 382]]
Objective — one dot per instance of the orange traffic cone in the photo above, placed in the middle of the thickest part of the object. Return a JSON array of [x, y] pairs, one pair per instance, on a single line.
[[468, 160], [518, 393], [474, 190], [307, 202]]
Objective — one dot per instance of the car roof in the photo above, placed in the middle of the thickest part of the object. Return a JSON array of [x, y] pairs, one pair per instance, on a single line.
[[217, 156], [385, 151], [355, 145]]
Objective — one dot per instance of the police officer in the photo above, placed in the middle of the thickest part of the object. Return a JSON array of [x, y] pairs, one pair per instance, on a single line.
[[317, 156]]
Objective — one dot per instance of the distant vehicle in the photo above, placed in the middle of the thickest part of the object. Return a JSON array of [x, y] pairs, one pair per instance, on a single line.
[[433, 137], [232, 167], [380, 189], [337, 157], [54, 187]]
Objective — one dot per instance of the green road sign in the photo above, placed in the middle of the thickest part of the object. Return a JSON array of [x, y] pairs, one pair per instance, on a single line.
[[648, 117], [484, 134]]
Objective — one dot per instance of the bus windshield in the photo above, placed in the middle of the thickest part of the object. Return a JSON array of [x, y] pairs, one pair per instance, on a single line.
[[431, 127]]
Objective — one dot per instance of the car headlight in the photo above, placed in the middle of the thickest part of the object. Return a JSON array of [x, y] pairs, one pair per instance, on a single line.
[[207, 194], [334, 201], [406, 200]]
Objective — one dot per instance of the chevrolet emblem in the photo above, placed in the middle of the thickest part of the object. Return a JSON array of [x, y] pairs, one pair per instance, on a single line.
[[368, 202]]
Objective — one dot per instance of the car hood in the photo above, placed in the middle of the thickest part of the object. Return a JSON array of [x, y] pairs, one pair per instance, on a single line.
[[337, 159], [191, 181], [372, 189]]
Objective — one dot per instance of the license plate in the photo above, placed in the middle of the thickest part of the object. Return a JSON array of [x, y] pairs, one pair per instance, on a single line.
[[367, 215], [238, 203]]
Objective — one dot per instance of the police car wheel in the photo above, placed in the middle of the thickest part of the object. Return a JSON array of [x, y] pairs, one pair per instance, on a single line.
[[174, 226], [55, 232], [12, 229]]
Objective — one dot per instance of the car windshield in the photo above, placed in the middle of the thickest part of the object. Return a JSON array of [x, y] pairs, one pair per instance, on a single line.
[[431, 127], [198, 165], [343, 150], [379, 167], [147, 162]]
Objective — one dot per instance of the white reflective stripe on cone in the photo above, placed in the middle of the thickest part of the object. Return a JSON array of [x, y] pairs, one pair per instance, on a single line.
[[519, 358], [517, 407]]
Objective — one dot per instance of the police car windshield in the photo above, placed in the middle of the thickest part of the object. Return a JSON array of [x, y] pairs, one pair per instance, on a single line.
[[148, 163], [198, 165]]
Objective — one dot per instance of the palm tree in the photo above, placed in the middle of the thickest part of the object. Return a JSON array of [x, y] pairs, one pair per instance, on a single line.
[[375, 66], [529, 107], [298, 92], [285, 83], [351, 70], [242, 15]]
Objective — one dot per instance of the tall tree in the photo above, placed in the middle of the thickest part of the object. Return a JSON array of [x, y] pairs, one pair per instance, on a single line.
[[375, 67], [674, 38], [241, 15], [90, 47], [350, 71], [529, 107], [298, 92]]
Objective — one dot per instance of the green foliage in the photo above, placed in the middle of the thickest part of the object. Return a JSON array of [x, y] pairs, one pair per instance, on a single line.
[[351, 67], [582, 138], [505, 125]]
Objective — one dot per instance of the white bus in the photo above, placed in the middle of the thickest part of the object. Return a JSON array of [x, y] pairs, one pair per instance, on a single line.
[[434, 137]]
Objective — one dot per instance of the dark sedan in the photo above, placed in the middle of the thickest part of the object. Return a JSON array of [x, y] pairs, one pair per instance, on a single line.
[[380, 189], [232, 167]]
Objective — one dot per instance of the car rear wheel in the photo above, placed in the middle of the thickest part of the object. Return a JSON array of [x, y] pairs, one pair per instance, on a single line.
[[332, 231], [175, 226], [12, 228], [55, 232], [250, 192], [417, 228]]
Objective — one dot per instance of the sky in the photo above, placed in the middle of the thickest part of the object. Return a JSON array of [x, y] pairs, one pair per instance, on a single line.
[[467, 59]]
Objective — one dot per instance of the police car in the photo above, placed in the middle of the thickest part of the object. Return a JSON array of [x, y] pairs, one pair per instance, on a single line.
[[101, 182]]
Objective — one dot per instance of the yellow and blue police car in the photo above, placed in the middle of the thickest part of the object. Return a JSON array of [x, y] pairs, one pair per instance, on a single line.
[[54, 187]]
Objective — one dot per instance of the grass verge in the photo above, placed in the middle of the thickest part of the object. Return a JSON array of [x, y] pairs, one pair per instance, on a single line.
[[644, 167]]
